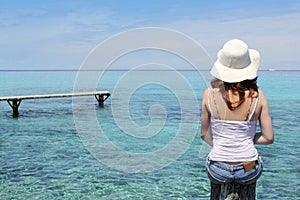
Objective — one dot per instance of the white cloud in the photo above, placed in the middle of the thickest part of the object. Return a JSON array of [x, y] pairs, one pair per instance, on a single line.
[[19, 16], [34, 38], [276, 37], [31, 41]]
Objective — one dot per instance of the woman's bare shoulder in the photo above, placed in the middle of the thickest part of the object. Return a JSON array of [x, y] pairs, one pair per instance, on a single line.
[[205, 95], [209, 91], [262, 97]]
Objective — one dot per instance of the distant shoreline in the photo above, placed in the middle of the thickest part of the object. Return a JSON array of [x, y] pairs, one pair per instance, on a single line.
[[77, 70]]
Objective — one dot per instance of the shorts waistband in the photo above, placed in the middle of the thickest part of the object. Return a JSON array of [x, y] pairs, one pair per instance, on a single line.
[[230, 167]]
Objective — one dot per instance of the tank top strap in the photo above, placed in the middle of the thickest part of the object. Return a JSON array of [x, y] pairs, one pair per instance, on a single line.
[[250, 116], [208, 100]]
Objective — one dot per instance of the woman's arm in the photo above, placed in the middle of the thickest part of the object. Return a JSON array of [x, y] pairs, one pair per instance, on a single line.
[[266, 136], [205, 120]]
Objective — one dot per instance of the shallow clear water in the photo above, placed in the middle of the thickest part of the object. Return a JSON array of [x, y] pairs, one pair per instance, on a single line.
[[43, 156]]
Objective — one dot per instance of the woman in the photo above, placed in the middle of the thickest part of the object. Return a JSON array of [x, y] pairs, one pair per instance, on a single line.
[[230, 111]]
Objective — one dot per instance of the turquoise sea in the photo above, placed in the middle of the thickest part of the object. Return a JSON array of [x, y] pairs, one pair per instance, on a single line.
[[43, 156]]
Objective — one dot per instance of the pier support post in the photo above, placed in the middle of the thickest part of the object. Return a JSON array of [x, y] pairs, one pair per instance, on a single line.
[[101, 98], [232, 191], [14, 104]]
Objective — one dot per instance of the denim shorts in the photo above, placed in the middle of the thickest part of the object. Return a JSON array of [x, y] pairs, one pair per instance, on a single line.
[[219, 172]]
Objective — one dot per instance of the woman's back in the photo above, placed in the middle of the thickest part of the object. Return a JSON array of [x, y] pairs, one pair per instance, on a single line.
[[232, 129], [248, 110]]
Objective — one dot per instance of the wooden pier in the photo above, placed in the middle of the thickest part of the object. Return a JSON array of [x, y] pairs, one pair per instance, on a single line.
[[15, 101]]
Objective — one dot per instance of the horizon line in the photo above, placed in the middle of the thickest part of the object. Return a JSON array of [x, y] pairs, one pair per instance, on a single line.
[[126, 69]]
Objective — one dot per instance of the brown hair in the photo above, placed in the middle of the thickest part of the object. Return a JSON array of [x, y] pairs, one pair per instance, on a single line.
[[240, 87]]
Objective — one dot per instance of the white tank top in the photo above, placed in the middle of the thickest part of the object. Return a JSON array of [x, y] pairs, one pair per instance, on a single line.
[[233, 140]]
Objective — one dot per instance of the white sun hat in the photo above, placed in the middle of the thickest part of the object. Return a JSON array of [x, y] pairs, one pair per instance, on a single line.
[[236, 62]]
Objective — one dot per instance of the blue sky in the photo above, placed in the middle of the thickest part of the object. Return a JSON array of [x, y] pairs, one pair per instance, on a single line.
[[59, 34]]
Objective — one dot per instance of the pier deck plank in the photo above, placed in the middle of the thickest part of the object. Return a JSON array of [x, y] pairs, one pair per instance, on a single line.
[[11, 98]]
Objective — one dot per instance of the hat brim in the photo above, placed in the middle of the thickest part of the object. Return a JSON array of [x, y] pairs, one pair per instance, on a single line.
[[231, 75]]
